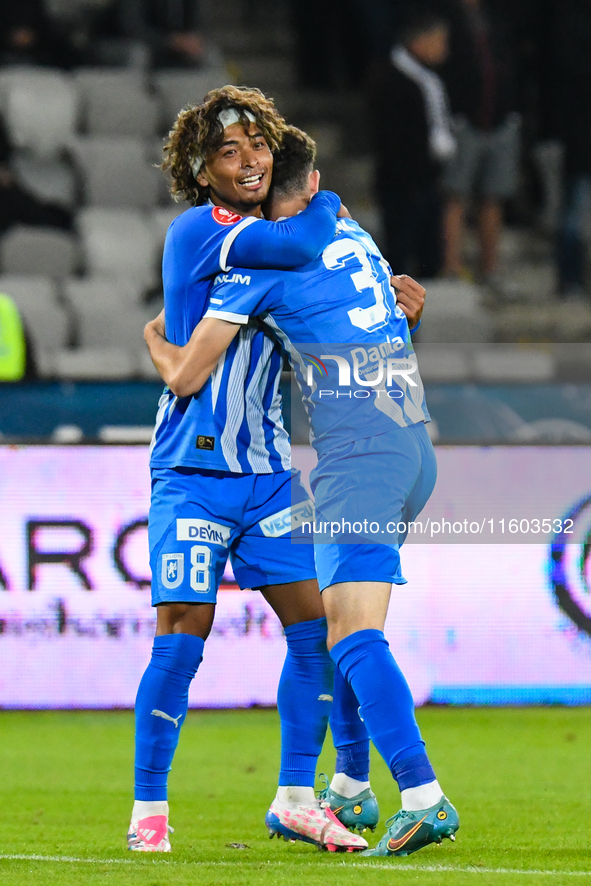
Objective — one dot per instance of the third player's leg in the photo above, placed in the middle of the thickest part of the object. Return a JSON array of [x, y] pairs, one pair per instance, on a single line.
[[305, 690], [304, 699], [306, 686], [352, 606], [361, 652], [356, 611], [295, 601]]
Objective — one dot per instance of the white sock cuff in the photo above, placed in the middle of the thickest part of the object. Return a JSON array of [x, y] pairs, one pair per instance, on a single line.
[[346, 786], [293, 795], [148, 808], [423, 797]]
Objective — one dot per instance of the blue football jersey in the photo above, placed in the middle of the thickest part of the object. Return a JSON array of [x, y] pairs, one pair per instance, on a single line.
[[234, 423], [349, 342]]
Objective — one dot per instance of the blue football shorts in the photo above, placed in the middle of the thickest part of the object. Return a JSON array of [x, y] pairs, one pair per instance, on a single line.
[[199, 518], [366, 494]]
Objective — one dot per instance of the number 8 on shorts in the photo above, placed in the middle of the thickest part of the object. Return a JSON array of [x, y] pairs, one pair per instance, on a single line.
[[200, 572]]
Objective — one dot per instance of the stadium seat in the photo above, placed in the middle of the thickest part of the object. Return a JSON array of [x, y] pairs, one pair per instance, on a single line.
[[351, 177], [32, 250], [46, 322], [455, 314], [573, 362], [41, 108], [94, 363], [102, 289], [118, 242], [126, 433], [532, 280], [162, 218], [268, 72], [67, 434], [34, 289], [328, 138], [507, 363], [115, 102], [115, 172], [108, 325], [89, 80], [146, 368], [51, 180], [553, 431], [164, 180], [176, 89], [10, 75], [369, 217], [438, 363]]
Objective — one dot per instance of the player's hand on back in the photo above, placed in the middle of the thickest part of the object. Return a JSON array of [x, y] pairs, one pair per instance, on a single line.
[[343, 212], [410, 295]]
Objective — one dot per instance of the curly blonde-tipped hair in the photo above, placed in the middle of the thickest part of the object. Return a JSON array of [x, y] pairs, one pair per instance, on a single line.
[[197, 132]]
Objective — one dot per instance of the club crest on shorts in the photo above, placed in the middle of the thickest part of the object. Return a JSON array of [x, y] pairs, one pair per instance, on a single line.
[[173, 570]]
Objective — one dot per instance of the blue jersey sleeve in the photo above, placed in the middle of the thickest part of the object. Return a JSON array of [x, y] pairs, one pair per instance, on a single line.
[[286, 244], [238, 295]]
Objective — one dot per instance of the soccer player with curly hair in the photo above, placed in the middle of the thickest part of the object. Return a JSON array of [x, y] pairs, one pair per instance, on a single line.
[[376, 470], [222, 483]]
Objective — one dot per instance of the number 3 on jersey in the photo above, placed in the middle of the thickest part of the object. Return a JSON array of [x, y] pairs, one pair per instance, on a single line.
[[375, 316], [200, 572]]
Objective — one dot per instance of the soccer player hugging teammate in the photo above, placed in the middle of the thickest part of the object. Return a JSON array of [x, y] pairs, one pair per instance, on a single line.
[[376, 469], [221, 469]]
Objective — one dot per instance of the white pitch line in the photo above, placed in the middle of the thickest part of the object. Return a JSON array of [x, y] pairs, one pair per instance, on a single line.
[[393, 867], [67, 858]]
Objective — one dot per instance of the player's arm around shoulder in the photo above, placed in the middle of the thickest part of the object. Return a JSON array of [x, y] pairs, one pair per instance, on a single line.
[[186, 369], [291, 243]]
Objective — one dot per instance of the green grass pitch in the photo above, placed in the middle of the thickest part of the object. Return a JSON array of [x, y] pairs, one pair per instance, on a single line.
[[521, 780]]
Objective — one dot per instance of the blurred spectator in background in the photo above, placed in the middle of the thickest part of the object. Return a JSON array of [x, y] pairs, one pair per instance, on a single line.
[[13, 343], [566, 112], [412, 138], [18, 205], [27, 36], [170, 28], [23, 29], [479, 76], [89, 29], [332, 43]]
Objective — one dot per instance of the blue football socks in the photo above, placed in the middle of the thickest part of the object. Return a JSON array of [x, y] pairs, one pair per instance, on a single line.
[[349, 732], [304, 700], [386, 705], [160, 709]]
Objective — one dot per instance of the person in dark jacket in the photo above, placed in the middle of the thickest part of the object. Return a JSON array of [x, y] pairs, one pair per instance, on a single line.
[[479, 76], [411, 130], [170, 28], [566, 112], [28, 37]]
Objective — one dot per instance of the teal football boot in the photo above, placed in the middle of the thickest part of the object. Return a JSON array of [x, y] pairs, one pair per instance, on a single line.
[[355, 813], [410, 831]]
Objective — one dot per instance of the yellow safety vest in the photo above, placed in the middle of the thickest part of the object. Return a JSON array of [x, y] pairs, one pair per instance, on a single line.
[[12, 341]]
